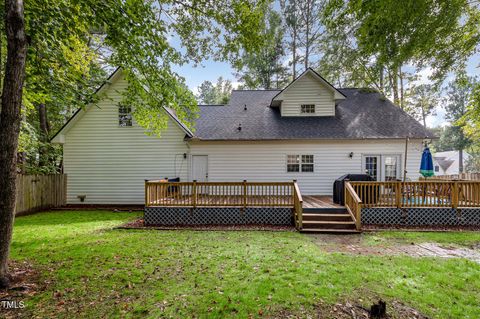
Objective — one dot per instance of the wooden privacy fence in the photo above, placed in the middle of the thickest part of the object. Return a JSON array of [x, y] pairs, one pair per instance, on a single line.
[[36, 192], [225, 194]]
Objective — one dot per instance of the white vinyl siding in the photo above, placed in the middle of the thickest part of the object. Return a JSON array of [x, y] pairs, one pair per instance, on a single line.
[[266, 161], [109, 163], [308, 90]]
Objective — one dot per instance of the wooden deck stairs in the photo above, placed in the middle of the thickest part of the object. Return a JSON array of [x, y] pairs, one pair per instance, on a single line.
[[328, 220]]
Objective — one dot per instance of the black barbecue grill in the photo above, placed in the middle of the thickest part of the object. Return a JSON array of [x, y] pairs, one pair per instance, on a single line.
[[339, 185]]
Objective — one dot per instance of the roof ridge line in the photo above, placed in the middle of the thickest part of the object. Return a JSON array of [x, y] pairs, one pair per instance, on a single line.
[[256, 90]]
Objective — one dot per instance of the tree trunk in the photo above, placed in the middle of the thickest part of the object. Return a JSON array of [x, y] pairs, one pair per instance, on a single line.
[[460, 161], [294, 42], [424, 116], [400, 75], [394, 75], [10, 125], [381, 79], [44, 129], [307, 35]]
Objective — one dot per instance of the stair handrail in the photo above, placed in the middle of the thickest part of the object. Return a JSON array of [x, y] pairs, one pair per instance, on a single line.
[[297, 205], [353, 203]]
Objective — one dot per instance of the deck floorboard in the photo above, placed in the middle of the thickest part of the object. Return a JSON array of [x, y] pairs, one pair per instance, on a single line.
[[203, 200], [319, 201]]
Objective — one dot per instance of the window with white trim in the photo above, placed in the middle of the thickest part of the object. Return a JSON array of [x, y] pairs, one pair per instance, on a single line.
[[300, 163], [124, 115], [307, 108]]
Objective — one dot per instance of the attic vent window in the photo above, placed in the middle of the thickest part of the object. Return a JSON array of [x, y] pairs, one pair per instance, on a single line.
[[307, 108], [124, 115]]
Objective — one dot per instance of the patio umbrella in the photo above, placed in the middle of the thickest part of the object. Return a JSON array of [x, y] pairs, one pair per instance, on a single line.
[[426, 165]]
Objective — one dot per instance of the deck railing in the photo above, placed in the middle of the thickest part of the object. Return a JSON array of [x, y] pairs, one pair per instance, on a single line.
[[297, 206], [434, 193], [461, 176], [225, 194], [353, 205]]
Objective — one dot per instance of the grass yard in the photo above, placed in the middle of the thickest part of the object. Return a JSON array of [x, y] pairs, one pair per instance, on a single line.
[[94, 271]]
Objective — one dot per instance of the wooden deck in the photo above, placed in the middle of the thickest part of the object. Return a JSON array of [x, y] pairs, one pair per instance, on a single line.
[[207, 200], [309, 201], [319, 201]]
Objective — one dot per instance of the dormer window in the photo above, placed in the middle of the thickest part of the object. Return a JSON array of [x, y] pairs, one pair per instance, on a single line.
[[124, 115], [307, 109]]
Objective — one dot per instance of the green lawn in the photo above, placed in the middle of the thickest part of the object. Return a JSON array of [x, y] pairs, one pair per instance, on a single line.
[[95, 271]]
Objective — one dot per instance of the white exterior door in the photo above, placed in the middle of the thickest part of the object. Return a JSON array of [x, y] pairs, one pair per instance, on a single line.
[[382, 167], [200, 168], [391, 167], [371, 166]]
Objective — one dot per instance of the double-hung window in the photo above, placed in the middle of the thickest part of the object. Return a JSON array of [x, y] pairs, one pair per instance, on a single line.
[[300, 163]]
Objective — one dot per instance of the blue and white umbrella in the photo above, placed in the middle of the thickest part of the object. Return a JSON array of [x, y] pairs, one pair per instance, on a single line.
[[426, 165]]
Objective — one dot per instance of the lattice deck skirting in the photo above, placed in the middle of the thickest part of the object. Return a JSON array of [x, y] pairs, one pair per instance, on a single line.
[[217, 216], [421, 216]]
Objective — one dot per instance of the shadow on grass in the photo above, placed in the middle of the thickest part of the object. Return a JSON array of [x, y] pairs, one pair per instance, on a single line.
[[54, 218]]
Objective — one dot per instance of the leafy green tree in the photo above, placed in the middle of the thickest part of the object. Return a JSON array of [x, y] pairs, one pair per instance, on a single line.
[[388, 35], [10, 120], [207, 93], [456, 103], [472, 117], [472, 164], [423, 101], [311, 29], [305, 31], [448, 138], [264, 68], [135, 36], [215, 94], [291, 15]]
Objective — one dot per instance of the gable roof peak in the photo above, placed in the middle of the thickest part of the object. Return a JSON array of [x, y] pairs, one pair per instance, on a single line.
[[338, 95]]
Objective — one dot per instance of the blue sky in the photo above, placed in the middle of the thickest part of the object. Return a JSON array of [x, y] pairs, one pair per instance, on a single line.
[[211, 70]]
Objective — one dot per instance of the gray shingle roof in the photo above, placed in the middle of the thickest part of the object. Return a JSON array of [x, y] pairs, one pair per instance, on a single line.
[[362, 115]]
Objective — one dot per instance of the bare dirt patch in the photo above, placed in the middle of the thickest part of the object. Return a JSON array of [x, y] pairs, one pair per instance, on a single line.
[[24, 284], [354, 310], [356, 245]]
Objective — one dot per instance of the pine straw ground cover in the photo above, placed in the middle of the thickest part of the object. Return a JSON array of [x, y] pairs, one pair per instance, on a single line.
[[87, 269]]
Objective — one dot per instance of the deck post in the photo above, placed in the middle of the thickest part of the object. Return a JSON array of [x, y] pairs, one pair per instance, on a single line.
[[194, 192], [297, 206], [244, 194], [146, 193], [398, 194], [455, 195], [293, 192]]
